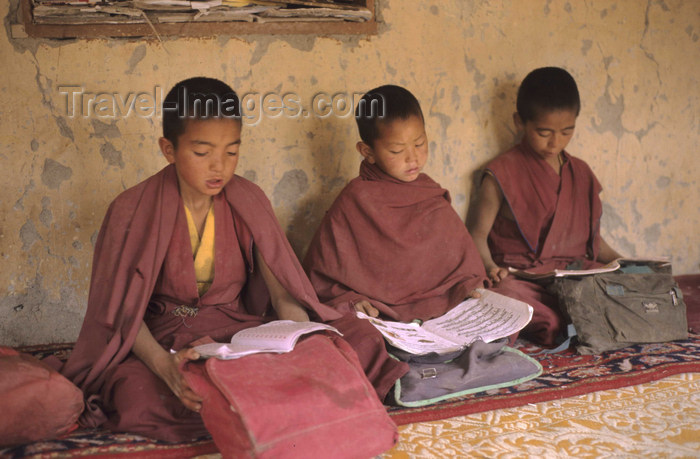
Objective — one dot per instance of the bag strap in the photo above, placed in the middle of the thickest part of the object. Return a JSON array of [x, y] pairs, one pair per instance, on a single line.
[[570, 335]]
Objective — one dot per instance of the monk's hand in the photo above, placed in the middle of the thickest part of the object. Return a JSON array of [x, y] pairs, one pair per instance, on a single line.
[[365, 307], [474, 294], [497, 274], [168, 370]]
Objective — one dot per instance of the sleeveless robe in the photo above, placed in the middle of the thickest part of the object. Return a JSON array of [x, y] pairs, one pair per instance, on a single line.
[[557, 223]]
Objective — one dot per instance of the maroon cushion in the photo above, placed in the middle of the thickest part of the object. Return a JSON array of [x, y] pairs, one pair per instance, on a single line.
[[36, 402]]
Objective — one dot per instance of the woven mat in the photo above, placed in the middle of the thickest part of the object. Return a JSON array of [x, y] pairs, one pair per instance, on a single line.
[[659, 419], [565, 375]]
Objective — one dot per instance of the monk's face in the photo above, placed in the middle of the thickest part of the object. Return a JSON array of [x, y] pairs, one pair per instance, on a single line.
[[401, 149], [206, 156], [549, 133]]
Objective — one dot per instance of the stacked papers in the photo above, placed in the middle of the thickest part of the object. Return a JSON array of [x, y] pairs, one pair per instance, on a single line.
[[69, 12]]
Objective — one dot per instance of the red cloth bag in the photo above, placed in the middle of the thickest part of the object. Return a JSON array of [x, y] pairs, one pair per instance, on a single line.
[[36, 402], [312, 402]]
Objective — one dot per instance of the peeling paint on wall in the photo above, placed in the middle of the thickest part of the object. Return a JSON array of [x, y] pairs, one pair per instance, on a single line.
[[136, 56], [63, 128], [111, 155], [49, 319], [28, 235], [291, 188], [46, 216], [609, 113], [55, 173]]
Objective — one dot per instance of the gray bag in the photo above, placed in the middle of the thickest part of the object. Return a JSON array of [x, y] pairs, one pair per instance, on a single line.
[[614, 310], [481, 367]]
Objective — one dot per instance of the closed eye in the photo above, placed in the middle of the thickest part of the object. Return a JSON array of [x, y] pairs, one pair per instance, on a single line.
[[199, 153]]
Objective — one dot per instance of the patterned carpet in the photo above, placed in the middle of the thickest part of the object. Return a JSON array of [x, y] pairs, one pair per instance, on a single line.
[[660, 419], [103, 443], [564, 375]]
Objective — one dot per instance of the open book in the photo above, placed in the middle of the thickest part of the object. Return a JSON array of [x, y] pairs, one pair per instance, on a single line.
[[278, 336], [490, 317], [612, 266]]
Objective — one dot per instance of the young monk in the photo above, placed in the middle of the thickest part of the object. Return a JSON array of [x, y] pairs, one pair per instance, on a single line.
[[391, 244], [192, 252], [538, 207]]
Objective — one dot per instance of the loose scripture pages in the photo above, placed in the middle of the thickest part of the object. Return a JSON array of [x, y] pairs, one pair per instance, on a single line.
[[277, 336], [411, 337], [535, 275], [490, 317], [619, 263]]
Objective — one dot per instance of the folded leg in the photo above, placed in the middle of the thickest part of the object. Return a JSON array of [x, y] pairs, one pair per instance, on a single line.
[[381, 370], [547, 322], [137, 401]]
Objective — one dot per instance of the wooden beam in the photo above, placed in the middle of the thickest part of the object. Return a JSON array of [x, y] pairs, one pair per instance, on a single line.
[[195, 29]]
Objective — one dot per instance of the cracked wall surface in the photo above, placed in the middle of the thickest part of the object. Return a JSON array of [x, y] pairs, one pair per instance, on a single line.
[[79, 125]]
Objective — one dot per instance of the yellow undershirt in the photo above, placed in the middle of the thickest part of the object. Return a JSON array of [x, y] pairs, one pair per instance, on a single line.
[[202, 250]]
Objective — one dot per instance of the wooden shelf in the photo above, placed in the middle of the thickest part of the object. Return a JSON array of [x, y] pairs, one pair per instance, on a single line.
[[189, 29]]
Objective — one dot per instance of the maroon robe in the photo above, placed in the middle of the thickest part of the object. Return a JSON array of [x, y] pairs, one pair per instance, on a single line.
[[557, 223], [143, 270], [399, 245]]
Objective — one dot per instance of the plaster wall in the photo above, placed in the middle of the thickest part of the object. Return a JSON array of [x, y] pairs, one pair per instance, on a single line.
[[637, 65]]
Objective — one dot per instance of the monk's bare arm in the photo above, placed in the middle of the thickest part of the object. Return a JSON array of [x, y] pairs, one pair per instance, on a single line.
[[285, 305], [488, 204], [606, 253], [165, 365]]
